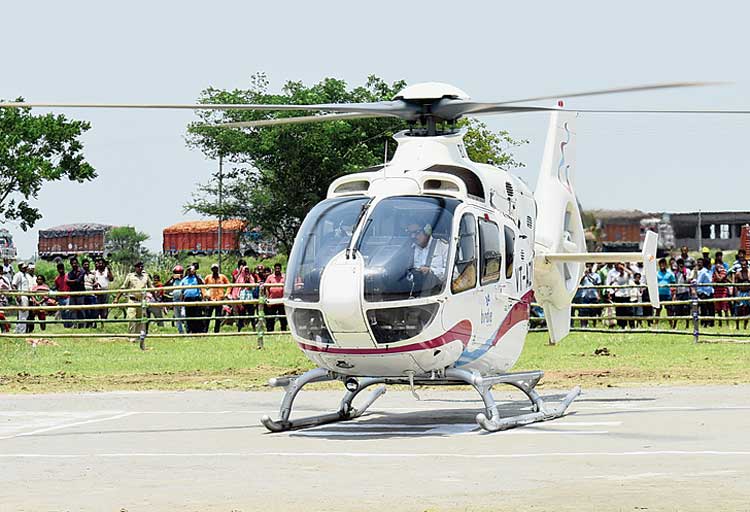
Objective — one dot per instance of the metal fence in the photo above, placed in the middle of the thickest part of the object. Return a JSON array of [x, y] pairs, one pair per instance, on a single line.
[[699, 317], [142, 312]]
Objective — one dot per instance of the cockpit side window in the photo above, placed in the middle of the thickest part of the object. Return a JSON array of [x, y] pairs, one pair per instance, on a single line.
[[465, 267], [489, 249], [510, 244]]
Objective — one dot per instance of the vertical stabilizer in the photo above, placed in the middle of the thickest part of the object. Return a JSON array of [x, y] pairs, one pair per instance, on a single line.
[[559, 226]]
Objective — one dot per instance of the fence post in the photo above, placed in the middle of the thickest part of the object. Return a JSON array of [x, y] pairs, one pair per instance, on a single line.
[[261, 329], [695, 312]]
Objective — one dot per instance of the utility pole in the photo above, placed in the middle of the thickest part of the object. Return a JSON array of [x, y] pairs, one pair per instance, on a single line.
[[221, 211], [700, 232]]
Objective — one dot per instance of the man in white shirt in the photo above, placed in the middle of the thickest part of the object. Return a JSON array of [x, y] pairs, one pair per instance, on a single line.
[[429, 259], [103, 276], [22, 283]]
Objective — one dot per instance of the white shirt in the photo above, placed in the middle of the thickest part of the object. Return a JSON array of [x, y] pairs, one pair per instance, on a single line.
[[439, 256], [21, 281], [101, 278]]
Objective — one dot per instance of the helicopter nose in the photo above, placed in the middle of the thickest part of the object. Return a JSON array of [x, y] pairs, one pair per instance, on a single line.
[[341, 299]]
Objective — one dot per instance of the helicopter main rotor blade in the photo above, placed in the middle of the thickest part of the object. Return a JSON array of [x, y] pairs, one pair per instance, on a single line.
[[295, 120], [451, 108], [398, 108]]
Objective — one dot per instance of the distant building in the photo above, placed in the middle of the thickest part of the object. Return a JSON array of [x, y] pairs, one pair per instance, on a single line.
[[623, 230], [718, 230]]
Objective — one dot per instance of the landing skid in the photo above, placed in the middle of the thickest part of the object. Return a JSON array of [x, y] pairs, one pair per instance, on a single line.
[[490, 420]]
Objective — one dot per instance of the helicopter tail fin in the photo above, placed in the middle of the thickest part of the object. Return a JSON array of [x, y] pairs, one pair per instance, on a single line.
[[559, 228]]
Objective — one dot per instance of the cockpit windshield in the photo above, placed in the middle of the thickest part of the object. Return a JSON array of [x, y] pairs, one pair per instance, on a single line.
[[405, 247], [326, 231]]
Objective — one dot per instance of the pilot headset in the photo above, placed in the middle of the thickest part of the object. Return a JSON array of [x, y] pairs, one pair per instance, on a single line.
[[427, 229]]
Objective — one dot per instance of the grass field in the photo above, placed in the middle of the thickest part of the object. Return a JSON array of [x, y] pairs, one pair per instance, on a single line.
[[226, 362]]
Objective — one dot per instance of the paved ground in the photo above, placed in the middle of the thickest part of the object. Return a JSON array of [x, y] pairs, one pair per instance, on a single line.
[[620, 449]]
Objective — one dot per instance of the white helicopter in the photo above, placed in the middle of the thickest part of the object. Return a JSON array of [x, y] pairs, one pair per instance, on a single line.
[[422, 270]]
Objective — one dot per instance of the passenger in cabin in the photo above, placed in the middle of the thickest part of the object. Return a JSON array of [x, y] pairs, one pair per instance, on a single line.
[[429, 259]]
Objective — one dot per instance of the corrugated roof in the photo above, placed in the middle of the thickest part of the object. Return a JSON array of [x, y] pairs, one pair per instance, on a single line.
[[621, 214], [205, 226]]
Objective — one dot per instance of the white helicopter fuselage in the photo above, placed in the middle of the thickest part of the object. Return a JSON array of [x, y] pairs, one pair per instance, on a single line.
[[477, 318]]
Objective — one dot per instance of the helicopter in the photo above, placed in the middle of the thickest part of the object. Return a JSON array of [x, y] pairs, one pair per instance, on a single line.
[[422, 270]]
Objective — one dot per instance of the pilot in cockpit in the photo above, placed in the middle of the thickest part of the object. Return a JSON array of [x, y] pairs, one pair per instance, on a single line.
[[430, 257]]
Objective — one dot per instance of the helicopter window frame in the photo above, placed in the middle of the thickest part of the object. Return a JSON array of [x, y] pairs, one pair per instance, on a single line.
[[464, 276], [489, 231], [510, 249]]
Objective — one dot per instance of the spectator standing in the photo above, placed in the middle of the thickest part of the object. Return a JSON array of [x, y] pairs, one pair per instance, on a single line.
[[686, 258], [244, 293], [215, 295], [621, 277], [89, 284], [705, 291], [589, 295], [179, 311], [636, 295], [103, 276], [61, 285], [665, 278], [21, 283], [134, 283], [41, 299], [236, 272], [7, 267], [741, 256], [682, 293], [74, 280], [194, 314], [721, 291], [741, 280], [5, 286], [156, 297], [275, 293]]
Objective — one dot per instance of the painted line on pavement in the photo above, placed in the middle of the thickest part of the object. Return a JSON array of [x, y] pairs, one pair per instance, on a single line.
[[659, 453]]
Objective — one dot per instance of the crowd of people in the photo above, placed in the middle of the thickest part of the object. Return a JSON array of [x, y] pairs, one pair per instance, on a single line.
[[138, 288], [621, 289]]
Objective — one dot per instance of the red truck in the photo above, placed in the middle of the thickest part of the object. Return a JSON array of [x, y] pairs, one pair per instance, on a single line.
[[85, 239], [202, 237]]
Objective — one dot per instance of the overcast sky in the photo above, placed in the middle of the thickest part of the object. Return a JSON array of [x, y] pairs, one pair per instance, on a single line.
[[140, 51]]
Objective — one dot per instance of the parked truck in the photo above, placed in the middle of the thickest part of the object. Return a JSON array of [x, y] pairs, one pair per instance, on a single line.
[[7, 247], [202, 237], [85, 239]]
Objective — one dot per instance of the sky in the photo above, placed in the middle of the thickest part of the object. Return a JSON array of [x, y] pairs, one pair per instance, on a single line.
[[167, 52]]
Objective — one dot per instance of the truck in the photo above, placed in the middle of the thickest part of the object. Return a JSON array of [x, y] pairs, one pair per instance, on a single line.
[[7, 247], [202, 238], [83, 239]]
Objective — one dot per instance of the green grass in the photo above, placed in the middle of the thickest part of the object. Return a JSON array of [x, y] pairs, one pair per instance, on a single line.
[[235, 362]]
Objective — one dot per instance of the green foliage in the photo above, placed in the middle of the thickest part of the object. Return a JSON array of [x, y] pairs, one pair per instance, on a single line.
[[275, 175], [35, 149], [488, 147], [124, 245]]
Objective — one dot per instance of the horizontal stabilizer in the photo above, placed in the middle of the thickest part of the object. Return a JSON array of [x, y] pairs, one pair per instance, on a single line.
[[647, 256]]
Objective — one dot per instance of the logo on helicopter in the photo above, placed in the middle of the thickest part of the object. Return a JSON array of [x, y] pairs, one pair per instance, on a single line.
[[485, 317]]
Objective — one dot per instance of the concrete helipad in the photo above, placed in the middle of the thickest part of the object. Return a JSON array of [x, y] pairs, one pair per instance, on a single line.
[[619, 449]]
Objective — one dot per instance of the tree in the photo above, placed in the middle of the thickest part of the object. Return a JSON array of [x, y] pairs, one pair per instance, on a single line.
[[35, 149], [124, 245], [277, 174]]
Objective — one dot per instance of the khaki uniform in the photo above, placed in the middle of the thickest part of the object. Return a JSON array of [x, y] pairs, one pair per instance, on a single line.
[[136, 282]]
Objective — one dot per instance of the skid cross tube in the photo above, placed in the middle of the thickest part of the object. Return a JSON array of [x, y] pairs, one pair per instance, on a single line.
[[293, 385]]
